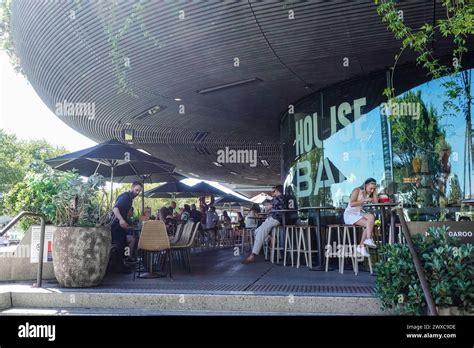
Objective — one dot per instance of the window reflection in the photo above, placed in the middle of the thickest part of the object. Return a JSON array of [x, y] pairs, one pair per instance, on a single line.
[[418, 147]]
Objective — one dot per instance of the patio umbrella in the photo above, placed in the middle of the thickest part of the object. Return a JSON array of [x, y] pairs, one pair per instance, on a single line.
[[151, 178], [205, 189], [171, 190], [232, 199], [260, 198], [111, 159]]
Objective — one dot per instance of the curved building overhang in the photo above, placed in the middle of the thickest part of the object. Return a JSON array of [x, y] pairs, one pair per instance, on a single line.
[[192, 79]]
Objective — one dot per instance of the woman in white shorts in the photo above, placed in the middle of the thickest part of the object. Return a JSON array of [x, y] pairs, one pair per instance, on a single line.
[[354, 215]]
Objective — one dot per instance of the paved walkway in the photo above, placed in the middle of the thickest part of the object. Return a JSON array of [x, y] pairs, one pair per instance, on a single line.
[[219, 271]]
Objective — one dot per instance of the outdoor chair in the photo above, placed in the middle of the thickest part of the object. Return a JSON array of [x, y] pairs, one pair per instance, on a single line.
[[182, 249], [153, 239]]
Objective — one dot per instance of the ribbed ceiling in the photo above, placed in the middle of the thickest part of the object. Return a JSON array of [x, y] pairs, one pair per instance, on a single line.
[[67, 50]]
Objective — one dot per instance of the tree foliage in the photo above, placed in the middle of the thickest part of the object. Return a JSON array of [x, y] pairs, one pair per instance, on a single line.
[[17, 158]]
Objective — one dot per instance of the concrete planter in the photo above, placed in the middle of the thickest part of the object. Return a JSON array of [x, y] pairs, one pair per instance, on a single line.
[[81, 255]]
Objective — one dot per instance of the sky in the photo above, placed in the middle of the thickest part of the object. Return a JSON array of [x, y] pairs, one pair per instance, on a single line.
[[23, 113]]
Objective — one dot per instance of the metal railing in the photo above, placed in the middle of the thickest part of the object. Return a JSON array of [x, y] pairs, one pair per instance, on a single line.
[[416, 260], [39, 276]]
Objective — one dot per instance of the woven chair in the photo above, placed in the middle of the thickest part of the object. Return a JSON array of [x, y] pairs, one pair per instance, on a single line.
[[154, 238], [182, 248]]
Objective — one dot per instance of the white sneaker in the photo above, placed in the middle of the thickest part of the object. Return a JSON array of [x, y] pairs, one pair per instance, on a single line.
[[362, 251], [370, 243]]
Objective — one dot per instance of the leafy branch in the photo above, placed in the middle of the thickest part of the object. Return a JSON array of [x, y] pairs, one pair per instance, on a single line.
[[458, 24]]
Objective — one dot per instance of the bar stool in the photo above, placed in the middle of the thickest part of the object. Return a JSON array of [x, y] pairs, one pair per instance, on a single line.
[[276, 246], [328, 249], [290, 242], [247, 232], [304, 245], [351, 244], [400, 237]]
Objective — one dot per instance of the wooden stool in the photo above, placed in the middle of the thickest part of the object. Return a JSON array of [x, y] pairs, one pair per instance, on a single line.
[[329, 251], [275, 244], [352, 245], [304, 245], [290, 242]]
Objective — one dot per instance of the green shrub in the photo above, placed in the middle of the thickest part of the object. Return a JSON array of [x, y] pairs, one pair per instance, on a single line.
[[447, 264]]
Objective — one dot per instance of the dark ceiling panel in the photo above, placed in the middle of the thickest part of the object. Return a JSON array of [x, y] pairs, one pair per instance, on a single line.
[[77, 51]]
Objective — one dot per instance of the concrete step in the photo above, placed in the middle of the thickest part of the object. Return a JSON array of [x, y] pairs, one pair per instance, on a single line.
[[142, 312], [56, 302]]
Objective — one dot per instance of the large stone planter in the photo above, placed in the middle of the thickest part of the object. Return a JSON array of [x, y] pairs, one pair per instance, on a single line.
[[81, 255]]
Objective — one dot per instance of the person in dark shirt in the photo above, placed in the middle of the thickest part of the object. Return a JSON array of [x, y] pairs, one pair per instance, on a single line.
[[122, 206], [195, 214], [274, 219]]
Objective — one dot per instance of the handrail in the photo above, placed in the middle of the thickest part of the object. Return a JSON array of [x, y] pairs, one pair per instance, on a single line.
[[416, 260], [39, 276]]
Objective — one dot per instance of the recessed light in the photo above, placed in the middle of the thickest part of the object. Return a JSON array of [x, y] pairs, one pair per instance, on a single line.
[[149, 112], [228, 85], [177, 99], [217, 164]]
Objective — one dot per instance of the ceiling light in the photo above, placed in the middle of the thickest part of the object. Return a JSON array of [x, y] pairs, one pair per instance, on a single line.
[[128, 135], [227, 85], [177, 99], [197, 176], [234, 173], [217, 164], [254, 179], [150, 112]]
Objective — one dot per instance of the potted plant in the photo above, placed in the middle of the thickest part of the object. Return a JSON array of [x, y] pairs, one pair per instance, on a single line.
[[447, 264], [81, 241]]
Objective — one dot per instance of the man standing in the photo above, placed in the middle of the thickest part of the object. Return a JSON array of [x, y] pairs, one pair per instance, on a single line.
[[274, 219], [123, 204]]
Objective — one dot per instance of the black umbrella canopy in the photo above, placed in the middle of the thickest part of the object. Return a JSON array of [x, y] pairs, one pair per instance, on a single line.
[[181, 190], [150, 179], [170, 190], [111, 158], [206, 189], [232, 199]]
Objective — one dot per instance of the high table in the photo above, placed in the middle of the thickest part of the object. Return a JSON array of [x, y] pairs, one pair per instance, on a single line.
[[383, 207], [319, 266]]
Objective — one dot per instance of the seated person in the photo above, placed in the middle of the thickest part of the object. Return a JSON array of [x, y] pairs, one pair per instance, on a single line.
[[354, 215], [251, 220], [186, 214], [274, 219]]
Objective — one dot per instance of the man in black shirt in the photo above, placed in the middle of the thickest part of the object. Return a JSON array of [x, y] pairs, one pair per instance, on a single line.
[[274, 219], [123, 204]]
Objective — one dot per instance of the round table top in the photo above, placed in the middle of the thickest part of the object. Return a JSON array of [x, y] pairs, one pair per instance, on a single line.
[[283, 210], [318, 208], [388, 204]]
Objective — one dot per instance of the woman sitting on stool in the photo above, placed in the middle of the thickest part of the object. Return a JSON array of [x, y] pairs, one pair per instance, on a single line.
[[354, 215]]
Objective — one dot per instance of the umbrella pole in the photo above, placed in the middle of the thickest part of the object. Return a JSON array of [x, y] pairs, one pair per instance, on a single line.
[[112, 187], [143, 197]]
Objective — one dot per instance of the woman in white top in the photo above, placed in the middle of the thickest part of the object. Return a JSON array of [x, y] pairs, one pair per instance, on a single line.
[[251, 218], [354, 215]]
